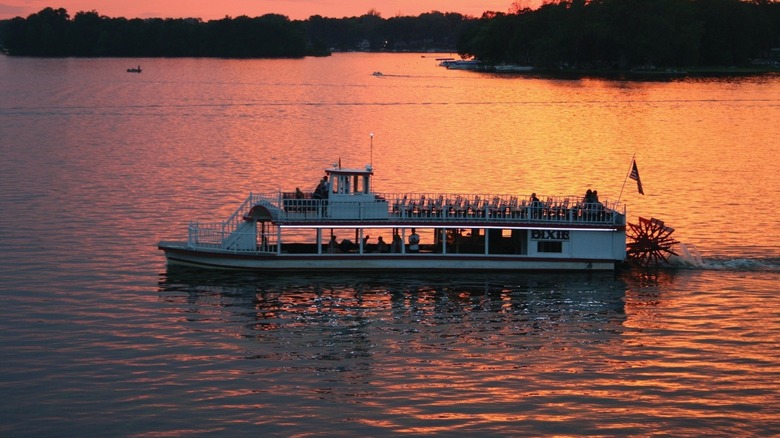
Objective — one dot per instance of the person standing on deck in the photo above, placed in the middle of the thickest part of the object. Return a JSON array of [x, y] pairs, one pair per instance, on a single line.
[[397, 245]]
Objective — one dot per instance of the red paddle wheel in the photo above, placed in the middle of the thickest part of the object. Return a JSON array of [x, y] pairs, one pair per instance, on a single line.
[[650, 242]]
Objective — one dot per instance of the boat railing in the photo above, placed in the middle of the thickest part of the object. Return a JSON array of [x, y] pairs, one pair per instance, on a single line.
[[427, 206], [218, 234], [444, 206], [206, 234], [213, 235]]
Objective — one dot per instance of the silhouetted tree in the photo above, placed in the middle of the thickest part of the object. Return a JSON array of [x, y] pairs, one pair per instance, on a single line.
[[50, 32], [623, 34]]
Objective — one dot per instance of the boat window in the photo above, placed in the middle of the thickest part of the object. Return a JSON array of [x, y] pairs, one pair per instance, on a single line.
[[341, 185], [360, 184], [544, 246], [346, 184]]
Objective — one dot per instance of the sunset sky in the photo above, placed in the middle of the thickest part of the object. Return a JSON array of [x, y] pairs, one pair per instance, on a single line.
[[295, 9]]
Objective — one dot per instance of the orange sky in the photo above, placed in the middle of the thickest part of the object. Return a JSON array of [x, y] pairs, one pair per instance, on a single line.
[[295, 9]]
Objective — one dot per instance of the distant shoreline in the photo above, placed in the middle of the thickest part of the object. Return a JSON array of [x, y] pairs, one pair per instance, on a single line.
[[646, 74], [634, 73], [659, 74]]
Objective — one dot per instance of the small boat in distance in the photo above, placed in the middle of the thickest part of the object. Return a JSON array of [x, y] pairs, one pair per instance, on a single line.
[[512, 68], [331, 229], [444, 62], [134, 69]]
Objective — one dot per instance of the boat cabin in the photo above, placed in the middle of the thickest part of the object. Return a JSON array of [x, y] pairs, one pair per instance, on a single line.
[[350, 181], [350, 195]]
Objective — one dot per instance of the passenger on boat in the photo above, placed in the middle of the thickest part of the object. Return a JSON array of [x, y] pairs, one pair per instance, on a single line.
[[298, 193], [333, 245], [397, 244], [414, 242], [321, 192], [588, 197], [346, 245], [536, 206], [591, 196], [381, 246]]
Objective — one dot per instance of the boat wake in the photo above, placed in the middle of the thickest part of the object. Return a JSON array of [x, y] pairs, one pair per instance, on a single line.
[[688, 257]]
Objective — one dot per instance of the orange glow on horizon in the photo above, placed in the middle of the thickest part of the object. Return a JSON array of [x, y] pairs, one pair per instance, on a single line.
[[296, 10]]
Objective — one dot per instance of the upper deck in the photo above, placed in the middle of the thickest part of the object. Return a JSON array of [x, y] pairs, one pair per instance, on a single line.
[[346, 195], [431, 208]]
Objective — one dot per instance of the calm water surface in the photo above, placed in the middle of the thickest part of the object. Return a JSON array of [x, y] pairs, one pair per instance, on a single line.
[[99, 338]]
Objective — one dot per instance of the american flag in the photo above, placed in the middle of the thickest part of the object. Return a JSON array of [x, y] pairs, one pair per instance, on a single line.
[[635, 176]]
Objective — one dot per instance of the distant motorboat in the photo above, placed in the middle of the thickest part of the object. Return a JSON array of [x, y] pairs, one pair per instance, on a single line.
[[513, 68], [464, 64], [134, 70], [377, 73]]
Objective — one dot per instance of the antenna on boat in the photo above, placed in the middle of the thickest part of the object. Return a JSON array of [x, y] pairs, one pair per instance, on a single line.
[[371, 162]]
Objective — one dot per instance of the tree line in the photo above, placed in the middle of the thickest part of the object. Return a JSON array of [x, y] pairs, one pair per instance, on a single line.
[[52, 32], [622, 34], [579, 34]]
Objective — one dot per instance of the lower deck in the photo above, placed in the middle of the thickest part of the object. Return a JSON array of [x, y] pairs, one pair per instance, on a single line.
[[267, 245], [423, 261]]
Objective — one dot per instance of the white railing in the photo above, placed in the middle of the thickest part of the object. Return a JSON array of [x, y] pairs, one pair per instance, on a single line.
[[427, 207], [216, 234], [415, 206]]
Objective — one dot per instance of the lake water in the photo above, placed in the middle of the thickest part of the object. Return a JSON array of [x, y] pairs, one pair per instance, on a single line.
[[99, 338]]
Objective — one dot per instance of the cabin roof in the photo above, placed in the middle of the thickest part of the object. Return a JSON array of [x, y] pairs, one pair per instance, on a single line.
[[344, 171]]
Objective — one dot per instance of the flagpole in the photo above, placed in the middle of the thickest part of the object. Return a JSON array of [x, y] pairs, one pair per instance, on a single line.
[[630, 166]]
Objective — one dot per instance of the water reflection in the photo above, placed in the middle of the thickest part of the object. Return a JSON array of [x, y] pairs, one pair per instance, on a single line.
[[431, 299], [357, 323], [425, 352], [499, 354]]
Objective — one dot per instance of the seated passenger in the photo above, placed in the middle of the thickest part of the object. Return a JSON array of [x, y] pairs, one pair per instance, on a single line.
[[333, 245], [381, 246], [346, 245]]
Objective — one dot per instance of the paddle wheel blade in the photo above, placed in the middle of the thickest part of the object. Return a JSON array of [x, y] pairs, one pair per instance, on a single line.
[[650, 242]]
